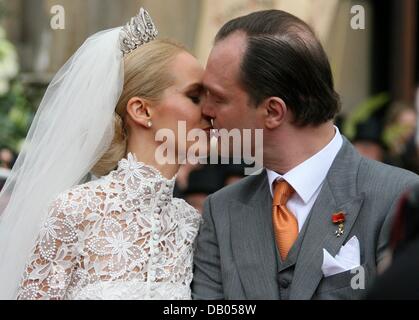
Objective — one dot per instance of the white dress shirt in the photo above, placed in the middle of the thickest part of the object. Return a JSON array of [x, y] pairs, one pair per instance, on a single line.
[[307, 179]]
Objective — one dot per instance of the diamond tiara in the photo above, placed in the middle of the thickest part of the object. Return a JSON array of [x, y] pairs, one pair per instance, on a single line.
[[139, 30]]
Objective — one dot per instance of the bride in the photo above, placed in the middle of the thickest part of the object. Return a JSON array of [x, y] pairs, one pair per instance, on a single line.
[[123, 235]]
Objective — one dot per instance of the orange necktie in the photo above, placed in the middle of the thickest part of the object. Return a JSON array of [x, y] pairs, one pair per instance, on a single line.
[[284, 222]]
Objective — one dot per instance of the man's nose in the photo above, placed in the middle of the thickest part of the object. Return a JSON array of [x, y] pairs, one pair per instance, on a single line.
[[207, 109]]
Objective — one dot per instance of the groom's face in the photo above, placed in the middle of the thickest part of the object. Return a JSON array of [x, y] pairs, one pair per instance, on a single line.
[[227, 103]]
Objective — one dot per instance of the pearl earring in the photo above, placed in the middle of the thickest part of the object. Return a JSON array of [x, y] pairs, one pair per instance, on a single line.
[[149, 124]]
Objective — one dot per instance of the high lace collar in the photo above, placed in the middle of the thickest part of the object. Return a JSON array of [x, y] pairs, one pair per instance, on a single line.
[[132, 173]]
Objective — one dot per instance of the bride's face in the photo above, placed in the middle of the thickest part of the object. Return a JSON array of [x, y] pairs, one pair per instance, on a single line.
[[180, 105]]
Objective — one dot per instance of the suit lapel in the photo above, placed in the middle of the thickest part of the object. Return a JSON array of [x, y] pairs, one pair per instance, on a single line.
[[321, 234], [338, 194], [253, 243]]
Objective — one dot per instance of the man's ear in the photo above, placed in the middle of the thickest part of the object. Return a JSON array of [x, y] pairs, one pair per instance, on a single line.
[[275, 111], [139, 111]]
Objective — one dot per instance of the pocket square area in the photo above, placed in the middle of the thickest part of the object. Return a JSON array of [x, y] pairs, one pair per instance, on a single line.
[[348, 258]]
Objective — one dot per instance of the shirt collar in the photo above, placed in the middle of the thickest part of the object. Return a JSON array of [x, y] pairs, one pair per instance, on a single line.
[[308, 176]]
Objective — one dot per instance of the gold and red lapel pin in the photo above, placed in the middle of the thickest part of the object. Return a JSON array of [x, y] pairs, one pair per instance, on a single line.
[[339, 219]]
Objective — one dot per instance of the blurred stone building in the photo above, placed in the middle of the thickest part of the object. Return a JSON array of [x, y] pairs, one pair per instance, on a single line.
[[43, 50], [194, 22]]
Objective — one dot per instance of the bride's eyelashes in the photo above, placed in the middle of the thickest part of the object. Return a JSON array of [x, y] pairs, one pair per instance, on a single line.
[[195, 96], [195, 93], [195, 99]]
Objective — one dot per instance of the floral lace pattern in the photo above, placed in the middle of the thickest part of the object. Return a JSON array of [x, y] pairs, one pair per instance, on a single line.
[[122, 236]]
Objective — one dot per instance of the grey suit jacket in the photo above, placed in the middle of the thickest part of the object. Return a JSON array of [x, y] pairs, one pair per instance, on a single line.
[[236, 256]]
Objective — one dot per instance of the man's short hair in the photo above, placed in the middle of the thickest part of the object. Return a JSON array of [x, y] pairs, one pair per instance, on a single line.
[[285, 59]]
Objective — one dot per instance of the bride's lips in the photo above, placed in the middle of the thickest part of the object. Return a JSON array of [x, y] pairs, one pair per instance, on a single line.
[[208, 129]]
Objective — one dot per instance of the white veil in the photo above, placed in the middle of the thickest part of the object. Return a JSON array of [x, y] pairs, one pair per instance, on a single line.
[[71, 131]]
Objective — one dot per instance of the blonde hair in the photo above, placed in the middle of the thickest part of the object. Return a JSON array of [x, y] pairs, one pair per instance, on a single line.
[[146, 75]]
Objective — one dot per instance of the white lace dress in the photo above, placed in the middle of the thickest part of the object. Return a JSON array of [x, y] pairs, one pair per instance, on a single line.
[[122, 236]]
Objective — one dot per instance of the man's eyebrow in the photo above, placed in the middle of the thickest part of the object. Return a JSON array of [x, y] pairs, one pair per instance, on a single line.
[[195, 87], [213, 90]]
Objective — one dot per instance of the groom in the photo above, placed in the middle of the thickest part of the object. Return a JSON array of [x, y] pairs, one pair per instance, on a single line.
[[319, 209]]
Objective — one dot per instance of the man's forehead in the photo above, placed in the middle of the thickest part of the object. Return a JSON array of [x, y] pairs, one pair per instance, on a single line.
[[230, 48], [224, 62], [218, 78]]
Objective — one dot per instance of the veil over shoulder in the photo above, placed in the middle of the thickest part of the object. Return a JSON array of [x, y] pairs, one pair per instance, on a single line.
[[72, 129]]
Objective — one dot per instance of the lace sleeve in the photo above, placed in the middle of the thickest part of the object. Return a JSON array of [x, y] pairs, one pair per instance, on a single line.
[[49, 271]]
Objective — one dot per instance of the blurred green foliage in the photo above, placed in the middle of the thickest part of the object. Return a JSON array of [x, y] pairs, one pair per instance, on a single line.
[[391, 133], [16, 111], [16, 115], [363, 112]]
